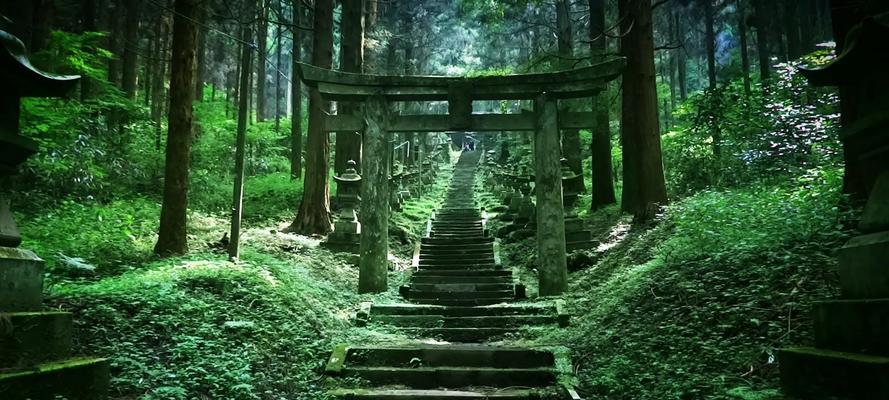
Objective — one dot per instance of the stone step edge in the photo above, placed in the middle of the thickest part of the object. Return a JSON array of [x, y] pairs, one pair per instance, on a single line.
[[563, 368], [362, 316]]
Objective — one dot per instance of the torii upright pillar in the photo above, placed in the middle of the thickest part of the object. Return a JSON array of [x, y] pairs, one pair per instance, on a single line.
[[552, 265], [374, 214]]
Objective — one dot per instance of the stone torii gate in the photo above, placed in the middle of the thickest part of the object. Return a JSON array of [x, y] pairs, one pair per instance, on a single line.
[[376, 92]]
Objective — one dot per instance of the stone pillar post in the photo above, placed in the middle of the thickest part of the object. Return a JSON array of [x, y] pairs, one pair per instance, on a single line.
[[552, 265], [374, 216]]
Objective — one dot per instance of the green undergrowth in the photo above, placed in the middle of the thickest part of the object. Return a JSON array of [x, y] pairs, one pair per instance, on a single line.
[[695, 305], [200, 326]]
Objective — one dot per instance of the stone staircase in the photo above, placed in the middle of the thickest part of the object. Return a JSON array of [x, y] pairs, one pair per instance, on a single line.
[[462, 296]]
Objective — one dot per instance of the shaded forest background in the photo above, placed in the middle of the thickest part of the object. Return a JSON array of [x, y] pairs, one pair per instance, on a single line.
[[752, 163]]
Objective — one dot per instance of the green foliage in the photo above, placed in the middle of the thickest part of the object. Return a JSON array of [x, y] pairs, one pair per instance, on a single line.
[[110, 237], [696, 307], [201, 327], [775, 134]]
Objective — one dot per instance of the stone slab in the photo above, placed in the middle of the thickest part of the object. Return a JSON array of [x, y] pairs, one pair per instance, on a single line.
[[34, 337], [864, 267], [860, 326], [21, 280], [815, 374], [390, 394], [81, 379], [876, 212]]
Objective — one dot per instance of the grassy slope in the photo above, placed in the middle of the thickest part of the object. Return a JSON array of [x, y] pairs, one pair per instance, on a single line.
[[695, 306], [200, 326]]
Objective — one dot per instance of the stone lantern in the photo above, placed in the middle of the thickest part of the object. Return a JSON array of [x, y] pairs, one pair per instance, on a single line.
[[576, 235], [346, 234], [570, 187], [36, 359]]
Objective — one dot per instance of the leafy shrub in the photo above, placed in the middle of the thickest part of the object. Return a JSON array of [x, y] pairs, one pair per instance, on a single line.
[[775, 134], [696, 307], [107, 236], [201, 327]]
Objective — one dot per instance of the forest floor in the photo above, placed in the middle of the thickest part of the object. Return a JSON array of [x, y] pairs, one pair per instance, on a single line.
[[690, 306]]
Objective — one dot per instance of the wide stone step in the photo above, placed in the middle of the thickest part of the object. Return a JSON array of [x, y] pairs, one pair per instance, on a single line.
[[431, 378], [464, 272], [456, 241], [432, 266], [461, 335], [458, 280], [466, 302], [449, 356], [461, 287], [459, 247], [390, 394], [457, 261], [458, 252], [492, 294], [810, 373], [438, 321], [82, 379]]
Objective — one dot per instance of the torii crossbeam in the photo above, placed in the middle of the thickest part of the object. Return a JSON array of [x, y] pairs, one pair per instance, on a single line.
[[377, 123]]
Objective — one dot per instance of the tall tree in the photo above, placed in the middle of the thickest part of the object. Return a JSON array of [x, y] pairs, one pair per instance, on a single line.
[[348, 144], [681, 53], [279, 49], [172, 238], [745, 55], [202, 52], [162, 30], [761, 19], [710, 37], [644, 186], [241, 139], [262, 45], [570, 137], [89, 24], [600, 147], [314, 210], [131, 49], [296, 94], [792, 30], [116, 19]]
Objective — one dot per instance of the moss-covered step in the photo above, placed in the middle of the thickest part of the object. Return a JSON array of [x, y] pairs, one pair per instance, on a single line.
[[449, 356], [461, 295], [814, 374], [466, 302], [504, 285], [429, 278], [75, 379], [437, 321], [456, 241], [454, 377], [462, 335], [860, 326], [29, 338], [468, 394], [494, 310]]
